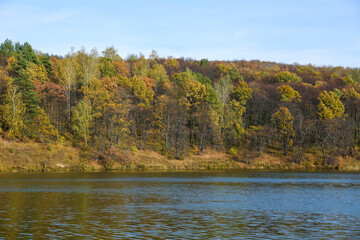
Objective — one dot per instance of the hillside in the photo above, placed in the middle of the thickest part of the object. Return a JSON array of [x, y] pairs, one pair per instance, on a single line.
[[91, 105]]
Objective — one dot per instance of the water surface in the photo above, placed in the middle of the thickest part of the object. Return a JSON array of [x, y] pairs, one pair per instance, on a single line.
[[180, 205]]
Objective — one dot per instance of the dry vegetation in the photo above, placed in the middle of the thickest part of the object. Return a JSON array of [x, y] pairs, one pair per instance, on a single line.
[[31, 156]]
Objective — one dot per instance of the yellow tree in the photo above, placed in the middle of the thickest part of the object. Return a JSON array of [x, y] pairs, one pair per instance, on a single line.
[[46, 131], [288, 77], [37, 73], [117, 114], [330, 105], [109, 110], [283, 121], [288, 94], [141, 113], [98, 95], [13, 111], [158, 73], [5, 81], [330, 110], [234, 119]]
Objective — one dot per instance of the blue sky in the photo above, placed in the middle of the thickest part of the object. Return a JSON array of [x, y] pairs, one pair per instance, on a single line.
[[321, 32]]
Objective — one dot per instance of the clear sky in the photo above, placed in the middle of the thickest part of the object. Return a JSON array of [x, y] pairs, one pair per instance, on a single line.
[[321, 32]]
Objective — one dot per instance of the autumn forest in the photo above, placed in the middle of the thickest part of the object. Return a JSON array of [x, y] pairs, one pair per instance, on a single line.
[[100, 102]]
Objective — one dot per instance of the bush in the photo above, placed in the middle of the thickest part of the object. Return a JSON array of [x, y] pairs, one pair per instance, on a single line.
[[233, 151], [142, 167], [11, 150], [134, 149]]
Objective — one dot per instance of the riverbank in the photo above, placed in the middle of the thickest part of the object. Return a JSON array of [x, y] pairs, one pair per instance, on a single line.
[[31, 156]]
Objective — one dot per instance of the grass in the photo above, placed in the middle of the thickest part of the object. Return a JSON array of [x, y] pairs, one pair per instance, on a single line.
[[15, 156], [31, 156]]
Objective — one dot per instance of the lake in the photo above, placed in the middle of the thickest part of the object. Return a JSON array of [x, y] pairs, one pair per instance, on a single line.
[[180, 205]]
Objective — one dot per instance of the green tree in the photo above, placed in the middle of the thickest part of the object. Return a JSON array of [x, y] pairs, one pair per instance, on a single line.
[[25, 86], [234, 116], [27, 52], [82, 118], [7, 49]]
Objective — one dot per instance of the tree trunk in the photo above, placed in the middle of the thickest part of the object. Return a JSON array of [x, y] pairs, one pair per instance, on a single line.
[[85, 136], [167, 134], [324, 153], [68, 109]]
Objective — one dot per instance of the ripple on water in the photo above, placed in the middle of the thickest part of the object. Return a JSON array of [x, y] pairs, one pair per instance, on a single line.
[[191, 205]]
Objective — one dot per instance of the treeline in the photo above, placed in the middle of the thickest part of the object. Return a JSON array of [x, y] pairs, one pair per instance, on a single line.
[[177, 106]]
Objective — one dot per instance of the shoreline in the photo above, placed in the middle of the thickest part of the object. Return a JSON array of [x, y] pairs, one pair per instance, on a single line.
[[32, 157], [53, 170]]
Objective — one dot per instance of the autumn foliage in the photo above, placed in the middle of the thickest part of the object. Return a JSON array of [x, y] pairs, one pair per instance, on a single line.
[[177, 106]]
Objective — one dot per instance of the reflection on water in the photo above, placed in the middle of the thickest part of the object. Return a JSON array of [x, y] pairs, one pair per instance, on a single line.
[[173, 205]]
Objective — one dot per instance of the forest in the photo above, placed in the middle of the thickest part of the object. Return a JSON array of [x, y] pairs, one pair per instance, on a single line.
[[107, 104]]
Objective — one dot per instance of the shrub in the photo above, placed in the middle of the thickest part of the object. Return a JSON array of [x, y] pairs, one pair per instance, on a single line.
[[233, 151], [134, 149]]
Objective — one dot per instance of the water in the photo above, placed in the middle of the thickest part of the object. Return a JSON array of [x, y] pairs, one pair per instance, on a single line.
[[180, 205]]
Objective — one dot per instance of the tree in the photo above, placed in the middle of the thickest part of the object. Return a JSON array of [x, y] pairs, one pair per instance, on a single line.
[[141, 67], [37, 73], [45, 61], [330, 105], [111, 53], [308, 74], [88, 65], [352, 105], [24, 85], [158, 73], [82, 118], [231, 71], [13, 112], [288, 77], [46, 131], [68, 74], [153, 55], [288, 94], [234, 116], [53, 99], [141, 113], [330, 110], [223, 89], [196, 96], [118, 112], [27, 52], [7, 50], [283, 121]]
